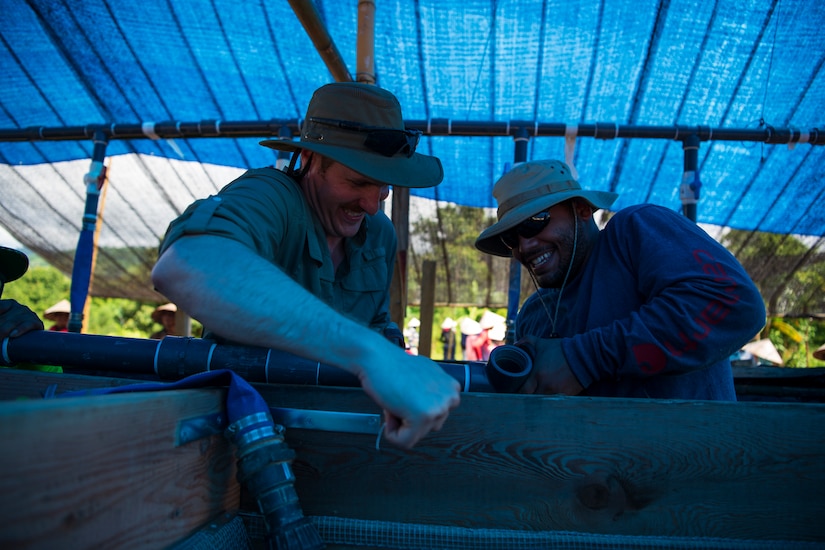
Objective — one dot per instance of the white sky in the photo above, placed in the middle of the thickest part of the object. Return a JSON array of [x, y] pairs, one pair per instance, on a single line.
[[7, 240]]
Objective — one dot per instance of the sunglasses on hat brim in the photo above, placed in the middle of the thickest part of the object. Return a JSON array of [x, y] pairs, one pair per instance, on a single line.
[[384, 141], [528, 229]]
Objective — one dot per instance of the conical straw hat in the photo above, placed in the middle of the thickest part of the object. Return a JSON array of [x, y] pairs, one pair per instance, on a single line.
[[764, 349], [820, 353], [63, 306]]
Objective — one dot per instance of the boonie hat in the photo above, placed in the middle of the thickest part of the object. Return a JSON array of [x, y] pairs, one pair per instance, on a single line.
[[360, 126], [529, 188]]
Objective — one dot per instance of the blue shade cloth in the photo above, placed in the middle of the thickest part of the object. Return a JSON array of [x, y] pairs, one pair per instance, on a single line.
[[727, 64]]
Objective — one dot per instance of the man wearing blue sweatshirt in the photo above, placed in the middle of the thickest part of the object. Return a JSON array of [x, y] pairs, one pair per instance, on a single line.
[[650, 306]]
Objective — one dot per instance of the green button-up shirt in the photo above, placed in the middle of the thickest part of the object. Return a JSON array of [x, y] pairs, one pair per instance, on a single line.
[[265, 210]]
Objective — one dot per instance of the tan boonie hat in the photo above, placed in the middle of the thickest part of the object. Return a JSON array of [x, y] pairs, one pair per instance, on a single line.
[[63, 306], [160, 309], [360, 126], [530, 188]]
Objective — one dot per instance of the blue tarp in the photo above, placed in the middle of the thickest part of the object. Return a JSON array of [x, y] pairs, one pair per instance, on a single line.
[[721, 64]]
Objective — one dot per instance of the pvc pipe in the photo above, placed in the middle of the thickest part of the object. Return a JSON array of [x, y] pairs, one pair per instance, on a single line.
[[177, 357], [432, 127]]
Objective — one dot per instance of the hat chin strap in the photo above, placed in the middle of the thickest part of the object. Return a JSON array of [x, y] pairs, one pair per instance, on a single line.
[[291, 171], [293, 161], [555, 315]]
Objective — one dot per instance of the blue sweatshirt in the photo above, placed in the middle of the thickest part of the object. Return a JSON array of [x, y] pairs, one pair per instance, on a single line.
[[656, 312]]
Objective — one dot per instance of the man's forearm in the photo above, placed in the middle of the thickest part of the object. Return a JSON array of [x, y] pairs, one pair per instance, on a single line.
[[248, 300]]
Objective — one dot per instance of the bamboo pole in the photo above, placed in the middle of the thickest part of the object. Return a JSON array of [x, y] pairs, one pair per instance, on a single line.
[[309, 17], [365, 62], [365, 72]]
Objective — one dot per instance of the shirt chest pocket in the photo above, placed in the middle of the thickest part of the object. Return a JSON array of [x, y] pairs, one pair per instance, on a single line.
[[363, 289], [369, 273]]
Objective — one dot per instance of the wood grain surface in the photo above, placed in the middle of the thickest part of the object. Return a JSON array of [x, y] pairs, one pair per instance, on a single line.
[[747, 470], [620, 466], [106, 471]]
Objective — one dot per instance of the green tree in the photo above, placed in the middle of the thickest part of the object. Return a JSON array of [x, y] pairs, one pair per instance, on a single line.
[[464, 275], [39, 288], [789, 273], [42, 286]]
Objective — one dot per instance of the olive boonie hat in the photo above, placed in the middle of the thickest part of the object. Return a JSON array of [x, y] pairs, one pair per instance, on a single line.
[[529, 188], [360, 126]]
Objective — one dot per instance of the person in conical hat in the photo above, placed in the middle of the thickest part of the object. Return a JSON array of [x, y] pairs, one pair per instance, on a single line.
[[469, 327], [489, 319], [59, 314], [448, 324], [301, 259], [411, 335], [650, 306], [448, 338], [475, 339], [165, 315], [765, 350], [820, 353], [498, 333]]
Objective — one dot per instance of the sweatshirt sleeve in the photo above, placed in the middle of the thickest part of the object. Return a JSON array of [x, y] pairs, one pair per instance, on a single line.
[[695, 304]]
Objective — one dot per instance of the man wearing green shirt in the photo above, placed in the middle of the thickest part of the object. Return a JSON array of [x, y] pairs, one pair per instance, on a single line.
[[301, 260]]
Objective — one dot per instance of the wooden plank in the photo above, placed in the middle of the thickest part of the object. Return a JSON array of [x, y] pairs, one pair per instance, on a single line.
[[780, 384], [425, 342], [633, 467], [398, 285], [105, 471], [24, 384], [811, 374], [612, 466]]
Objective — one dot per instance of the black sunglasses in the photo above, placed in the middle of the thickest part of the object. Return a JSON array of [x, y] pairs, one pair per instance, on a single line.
[[529, 228], [384, 141]]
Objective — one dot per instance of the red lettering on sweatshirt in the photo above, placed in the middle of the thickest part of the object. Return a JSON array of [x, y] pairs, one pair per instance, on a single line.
[[650, 358], [714, 311]]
